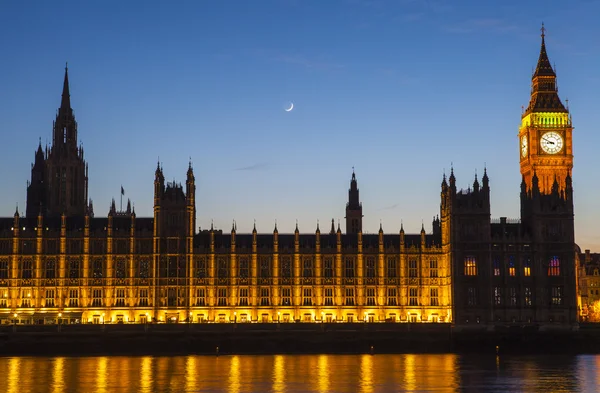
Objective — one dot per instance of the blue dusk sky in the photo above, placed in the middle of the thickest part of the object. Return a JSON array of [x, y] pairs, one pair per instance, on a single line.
[[397, 89]]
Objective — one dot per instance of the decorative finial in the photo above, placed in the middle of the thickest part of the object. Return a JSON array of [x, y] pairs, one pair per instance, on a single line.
[[543, 30], [66, 65]]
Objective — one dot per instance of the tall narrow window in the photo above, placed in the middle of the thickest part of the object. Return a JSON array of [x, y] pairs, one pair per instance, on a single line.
[[307, 271], [222, 296], [433, 297], [243, 297], [392, 267], [470, 266], [73, 298], [201, 268], [527, 266], [370, 267], [496, 265], [349, 296], [97, 269], [286, 270], [222, 269], [413, 296], [3, 269], [412, 268], [328, 268], [144, 297], [244, 268], [513, 296], [26, 268], [286, 296], [307, 297], [433, 268], [329, 296], [49, 297], [497, 296], [528, 301], [392, 297], [144, 269], [120, 298], [554, 266], [200, 297], [349, 268], [511, 266], [265, 267], [557, 296], [265, 299], [371, 296], [121, 268], [471, 296]]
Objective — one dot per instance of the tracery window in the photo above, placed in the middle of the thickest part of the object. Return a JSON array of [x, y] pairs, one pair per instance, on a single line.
[[554, 266], [470, 266]]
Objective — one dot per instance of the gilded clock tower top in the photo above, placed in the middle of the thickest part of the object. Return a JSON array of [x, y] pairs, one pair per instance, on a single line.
[[545, 135]]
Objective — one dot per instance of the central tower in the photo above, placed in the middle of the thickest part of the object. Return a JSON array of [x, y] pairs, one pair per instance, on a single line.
[[545, 135], [353, 208]]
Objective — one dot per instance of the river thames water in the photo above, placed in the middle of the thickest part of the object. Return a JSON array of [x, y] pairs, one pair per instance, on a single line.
[[301, 373]]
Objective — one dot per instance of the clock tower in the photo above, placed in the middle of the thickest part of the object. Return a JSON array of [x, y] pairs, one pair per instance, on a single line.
[[545, 135]]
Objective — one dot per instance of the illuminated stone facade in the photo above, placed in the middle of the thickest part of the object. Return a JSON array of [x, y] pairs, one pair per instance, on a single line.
[[60, 262]]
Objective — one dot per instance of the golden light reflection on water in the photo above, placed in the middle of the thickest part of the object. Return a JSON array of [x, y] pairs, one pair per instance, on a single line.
[[323, 373], [190, 373], [366, 373], [279, 374], [101, 382], [146, 374], [58, 375], [234, 374], [306, 373], [14, 370]]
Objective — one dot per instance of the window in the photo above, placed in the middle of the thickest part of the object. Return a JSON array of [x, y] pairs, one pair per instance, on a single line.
[[433, 268], [512, 296], [498, 296], [97, 268], [244, 268], [144, 298], [286, 270], [50, 268], [200, 297], [433, 297], [391, 297], [26, 298], [371, 296], [413, 295], [49, 297], [120, 301], [201, 268], [471, 296], [496, 265], [3, 298], [328, 268], [370, 267], [96, 297], [527, 266], [222, 296], [144, 269], [470, 266], [26, 269], [286, 296], [349, 268], [329, 296], [392, 267], [349, 296], [554, 266], [528, 297], [265, 267], [265, 299], [3, 269], [243, 298], [511, 266], [73, 298], [557, 296], [307, 297], [121, 269], [307, 271], [222, 268], [412, 268]]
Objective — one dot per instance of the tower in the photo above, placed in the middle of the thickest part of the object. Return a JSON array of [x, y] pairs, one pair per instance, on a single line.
[[353, 208], [59, 182], [545, 135]]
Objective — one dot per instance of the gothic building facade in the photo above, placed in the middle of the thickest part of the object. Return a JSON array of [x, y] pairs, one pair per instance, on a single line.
[[59, 262]]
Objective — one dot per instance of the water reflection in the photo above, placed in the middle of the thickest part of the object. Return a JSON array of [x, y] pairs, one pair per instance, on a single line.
[[310, 373]]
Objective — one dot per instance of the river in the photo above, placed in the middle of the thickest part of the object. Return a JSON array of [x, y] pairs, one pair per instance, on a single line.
[[301, 373]]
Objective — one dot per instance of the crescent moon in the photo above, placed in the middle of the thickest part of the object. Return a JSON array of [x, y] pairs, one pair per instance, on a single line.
[[290, 108]]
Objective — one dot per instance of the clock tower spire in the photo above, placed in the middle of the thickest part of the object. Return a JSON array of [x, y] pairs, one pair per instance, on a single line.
[[545, 135]]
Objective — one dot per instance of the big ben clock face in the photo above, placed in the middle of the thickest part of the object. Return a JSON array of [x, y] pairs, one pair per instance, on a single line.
[[551, 142], [524, 146]]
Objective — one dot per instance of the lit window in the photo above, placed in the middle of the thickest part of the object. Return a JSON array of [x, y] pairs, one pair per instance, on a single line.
[[391, 301], [498, 296], [433, 268], [392, 269], [349, 296], [496, 263], [329, 296], [370, 297], [286, 296], [470, 266], [511, 266], [554, 266], [264, 297], [307, 301], [527, 266], [412, 268], [513, 296], [557, 296], [433, 296], [413, 295], [243, 298], [528, 297]]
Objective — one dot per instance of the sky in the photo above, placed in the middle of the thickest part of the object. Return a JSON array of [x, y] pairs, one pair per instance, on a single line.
[[401, 90]]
